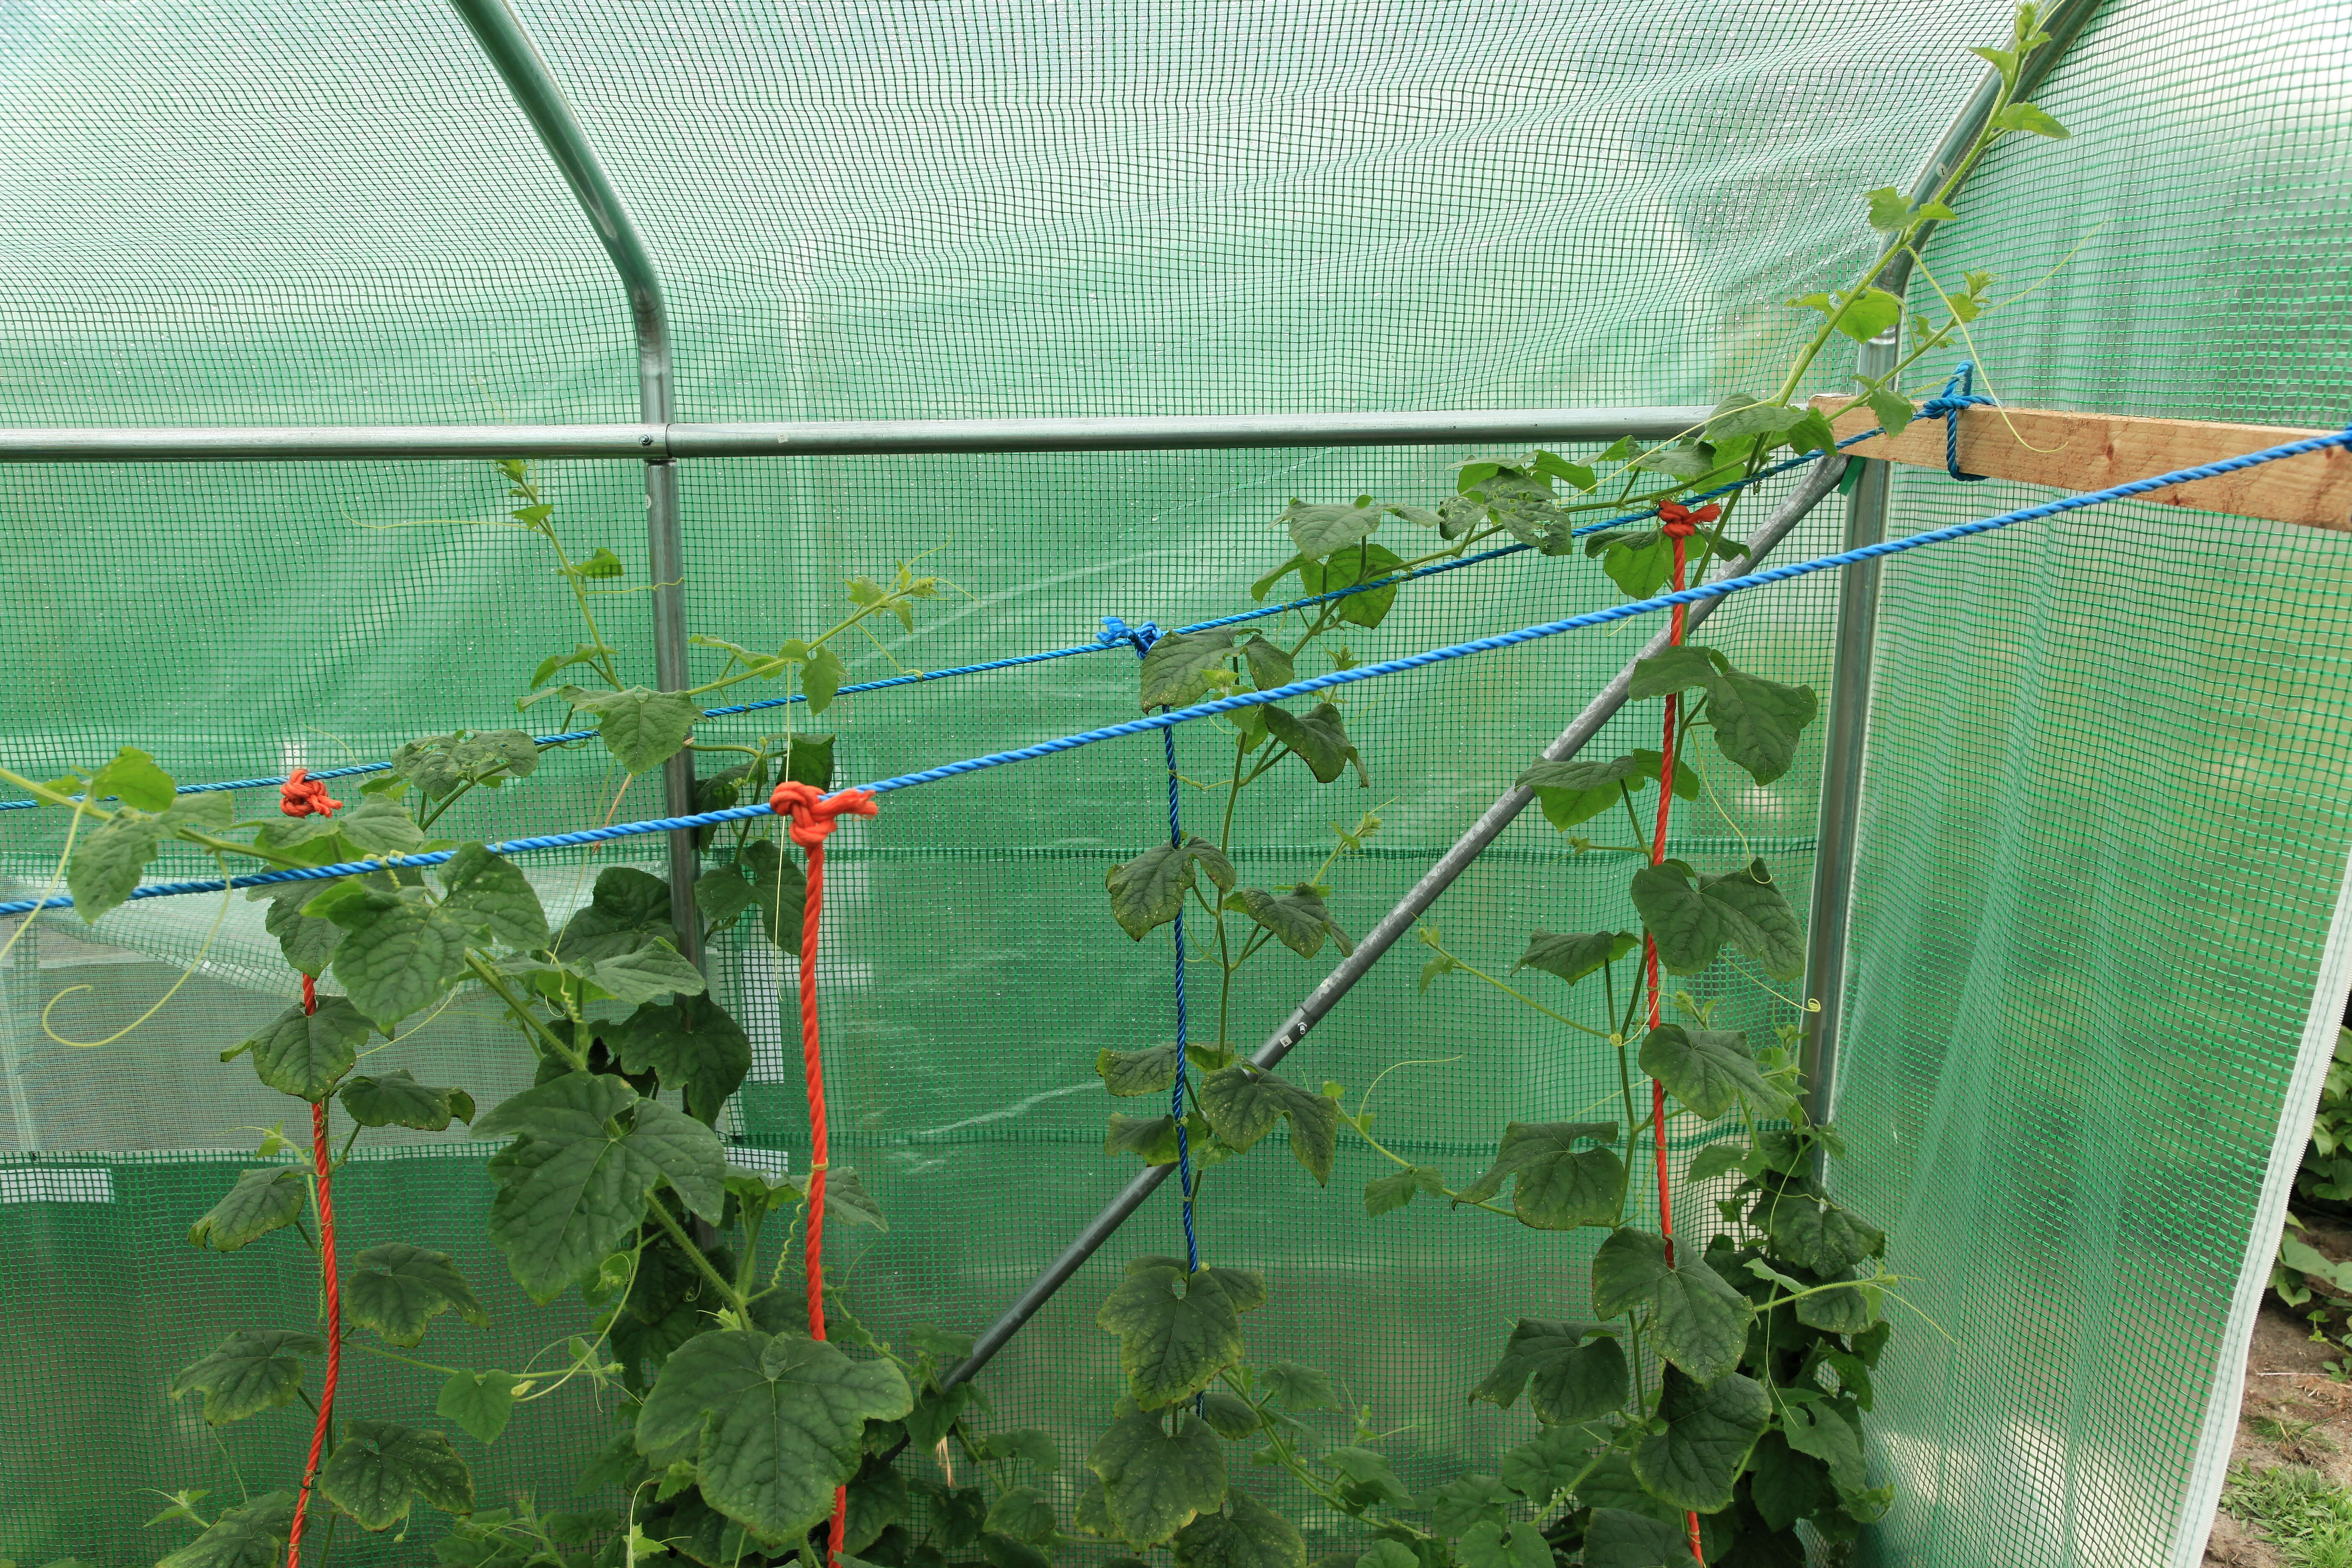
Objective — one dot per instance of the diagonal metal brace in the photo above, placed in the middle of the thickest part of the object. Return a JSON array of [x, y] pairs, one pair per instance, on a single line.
[[1818, 483]]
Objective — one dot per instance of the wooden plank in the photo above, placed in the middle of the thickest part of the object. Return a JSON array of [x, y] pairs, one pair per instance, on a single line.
[[2093, 451]]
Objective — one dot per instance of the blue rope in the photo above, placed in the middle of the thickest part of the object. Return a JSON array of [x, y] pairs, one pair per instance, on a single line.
[[1117, 631], [1167, 719], [1096, 647], [1958, 393]]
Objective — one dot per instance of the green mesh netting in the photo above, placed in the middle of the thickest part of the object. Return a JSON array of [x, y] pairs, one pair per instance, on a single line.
[[2106, 808]]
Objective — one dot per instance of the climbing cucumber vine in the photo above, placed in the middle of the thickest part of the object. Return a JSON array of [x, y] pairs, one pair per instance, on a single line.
[[1707, 1391]]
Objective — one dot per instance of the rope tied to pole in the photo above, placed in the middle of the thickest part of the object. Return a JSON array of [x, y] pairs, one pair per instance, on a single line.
[[815, 814], [1958, 393]]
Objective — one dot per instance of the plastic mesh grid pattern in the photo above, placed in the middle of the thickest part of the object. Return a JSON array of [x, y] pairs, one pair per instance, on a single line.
[[253, 212]]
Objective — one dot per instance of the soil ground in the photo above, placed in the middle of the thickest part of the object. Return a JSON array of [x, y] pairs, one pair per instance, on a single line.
[[2295, 1414]]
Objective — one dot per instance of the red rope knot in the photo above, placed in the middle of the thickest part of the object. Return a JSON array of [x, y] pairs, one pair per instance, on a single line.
[[1681, 521], [302, 795], [815, 812]]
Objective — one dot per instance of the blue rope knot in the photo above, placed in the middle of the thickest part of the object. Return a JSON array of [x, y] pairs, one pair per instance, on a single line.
[[1958, 393], [1116, 631]]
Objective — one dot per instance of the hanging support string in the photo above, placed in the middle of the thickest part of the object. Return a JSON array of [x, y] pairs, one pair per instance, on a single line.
[[1678, 523], [814, 815], [303, 796], [1720, 588], [1116, 631]]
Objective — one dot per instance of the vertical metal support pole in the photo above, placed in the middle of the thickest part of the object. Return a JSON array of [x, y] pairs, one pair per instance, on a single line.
[[1857, 627], [521, 66]]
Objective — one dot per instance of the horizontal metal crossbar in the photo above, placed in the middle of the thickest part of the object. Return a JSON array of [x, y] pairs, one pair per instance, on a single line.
[[836, 438]]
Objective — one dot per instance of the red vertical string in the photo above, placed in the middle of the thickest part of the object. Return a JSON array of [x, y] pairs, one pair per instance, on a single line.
[[814, 816], [322, 1162], [302, 795], [1680, 523]]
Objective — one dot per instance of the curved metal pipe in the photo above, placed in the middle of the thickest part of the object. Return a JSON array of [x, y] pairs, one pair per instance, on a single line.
[[525, 71]]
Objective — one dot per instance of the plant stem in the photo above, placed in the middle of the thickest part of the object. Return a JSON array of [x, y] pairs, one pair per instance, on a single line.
[[694, 1255]]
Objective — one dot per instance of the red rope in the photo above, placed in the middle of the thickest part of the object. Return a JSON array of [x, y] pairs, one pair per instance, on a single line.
[[302, 795], [815, 814], [1679, 522], [321, 1160]]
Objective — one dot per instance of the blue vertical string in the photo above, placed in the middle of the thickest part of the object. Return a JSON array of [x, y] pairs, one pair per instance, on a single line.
[[1115, 631]]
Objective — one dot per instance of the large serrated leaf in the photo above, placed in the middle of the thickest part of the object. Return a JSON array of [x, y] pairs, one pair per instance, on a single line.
[[1701, 1322], [1758, 919], [1758, 721], [1300, 919], [250, 1536], [1244, 1104], [381, 825], [491, 891], [399, 954], [1708, 1070], [397, 1100], [694, 1045], [397, 1290], [262, 1200], [380, 1469], [1570, 1372], [1147, 891], [306, 1054], [656, 969], [1248, 1534], [1155, 1482], [1131, 1073], [641, 728], [1710, 1428], [1177, 1330], [771, 1426], [254, 1370], [1558, 1186], [1317, 531], [1614, 1538], [1574, 955], [1320, 740], [571, 1187], [628, 910]]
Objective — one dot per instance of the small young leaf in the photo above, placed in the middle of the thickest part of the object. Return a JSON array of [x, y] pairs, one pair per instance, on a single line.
[[478, 1402], [1892, 409], [1177, 671], [821, 678], [397, 1290], [1572, 957], [643, 728], [1300, 1387], [2025, 117], [134, 778], [1298, 919], [1320, 740], [1890, 209], [106, 864], [1131, 1073], [1393, 1191]]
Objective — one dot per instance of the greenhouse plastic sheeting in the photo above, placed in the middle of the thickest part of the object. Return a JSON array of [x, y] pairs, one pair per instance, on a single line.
[[2107, 794]]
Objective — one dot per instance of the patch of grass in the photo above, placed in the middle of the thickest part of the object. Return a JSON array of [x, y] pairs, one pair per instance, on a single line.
[[2307, 1516]]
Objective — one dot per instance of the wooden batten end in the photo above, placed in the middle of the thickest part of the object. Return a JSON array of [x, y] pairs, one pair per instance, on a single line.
[[2093, 451]]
